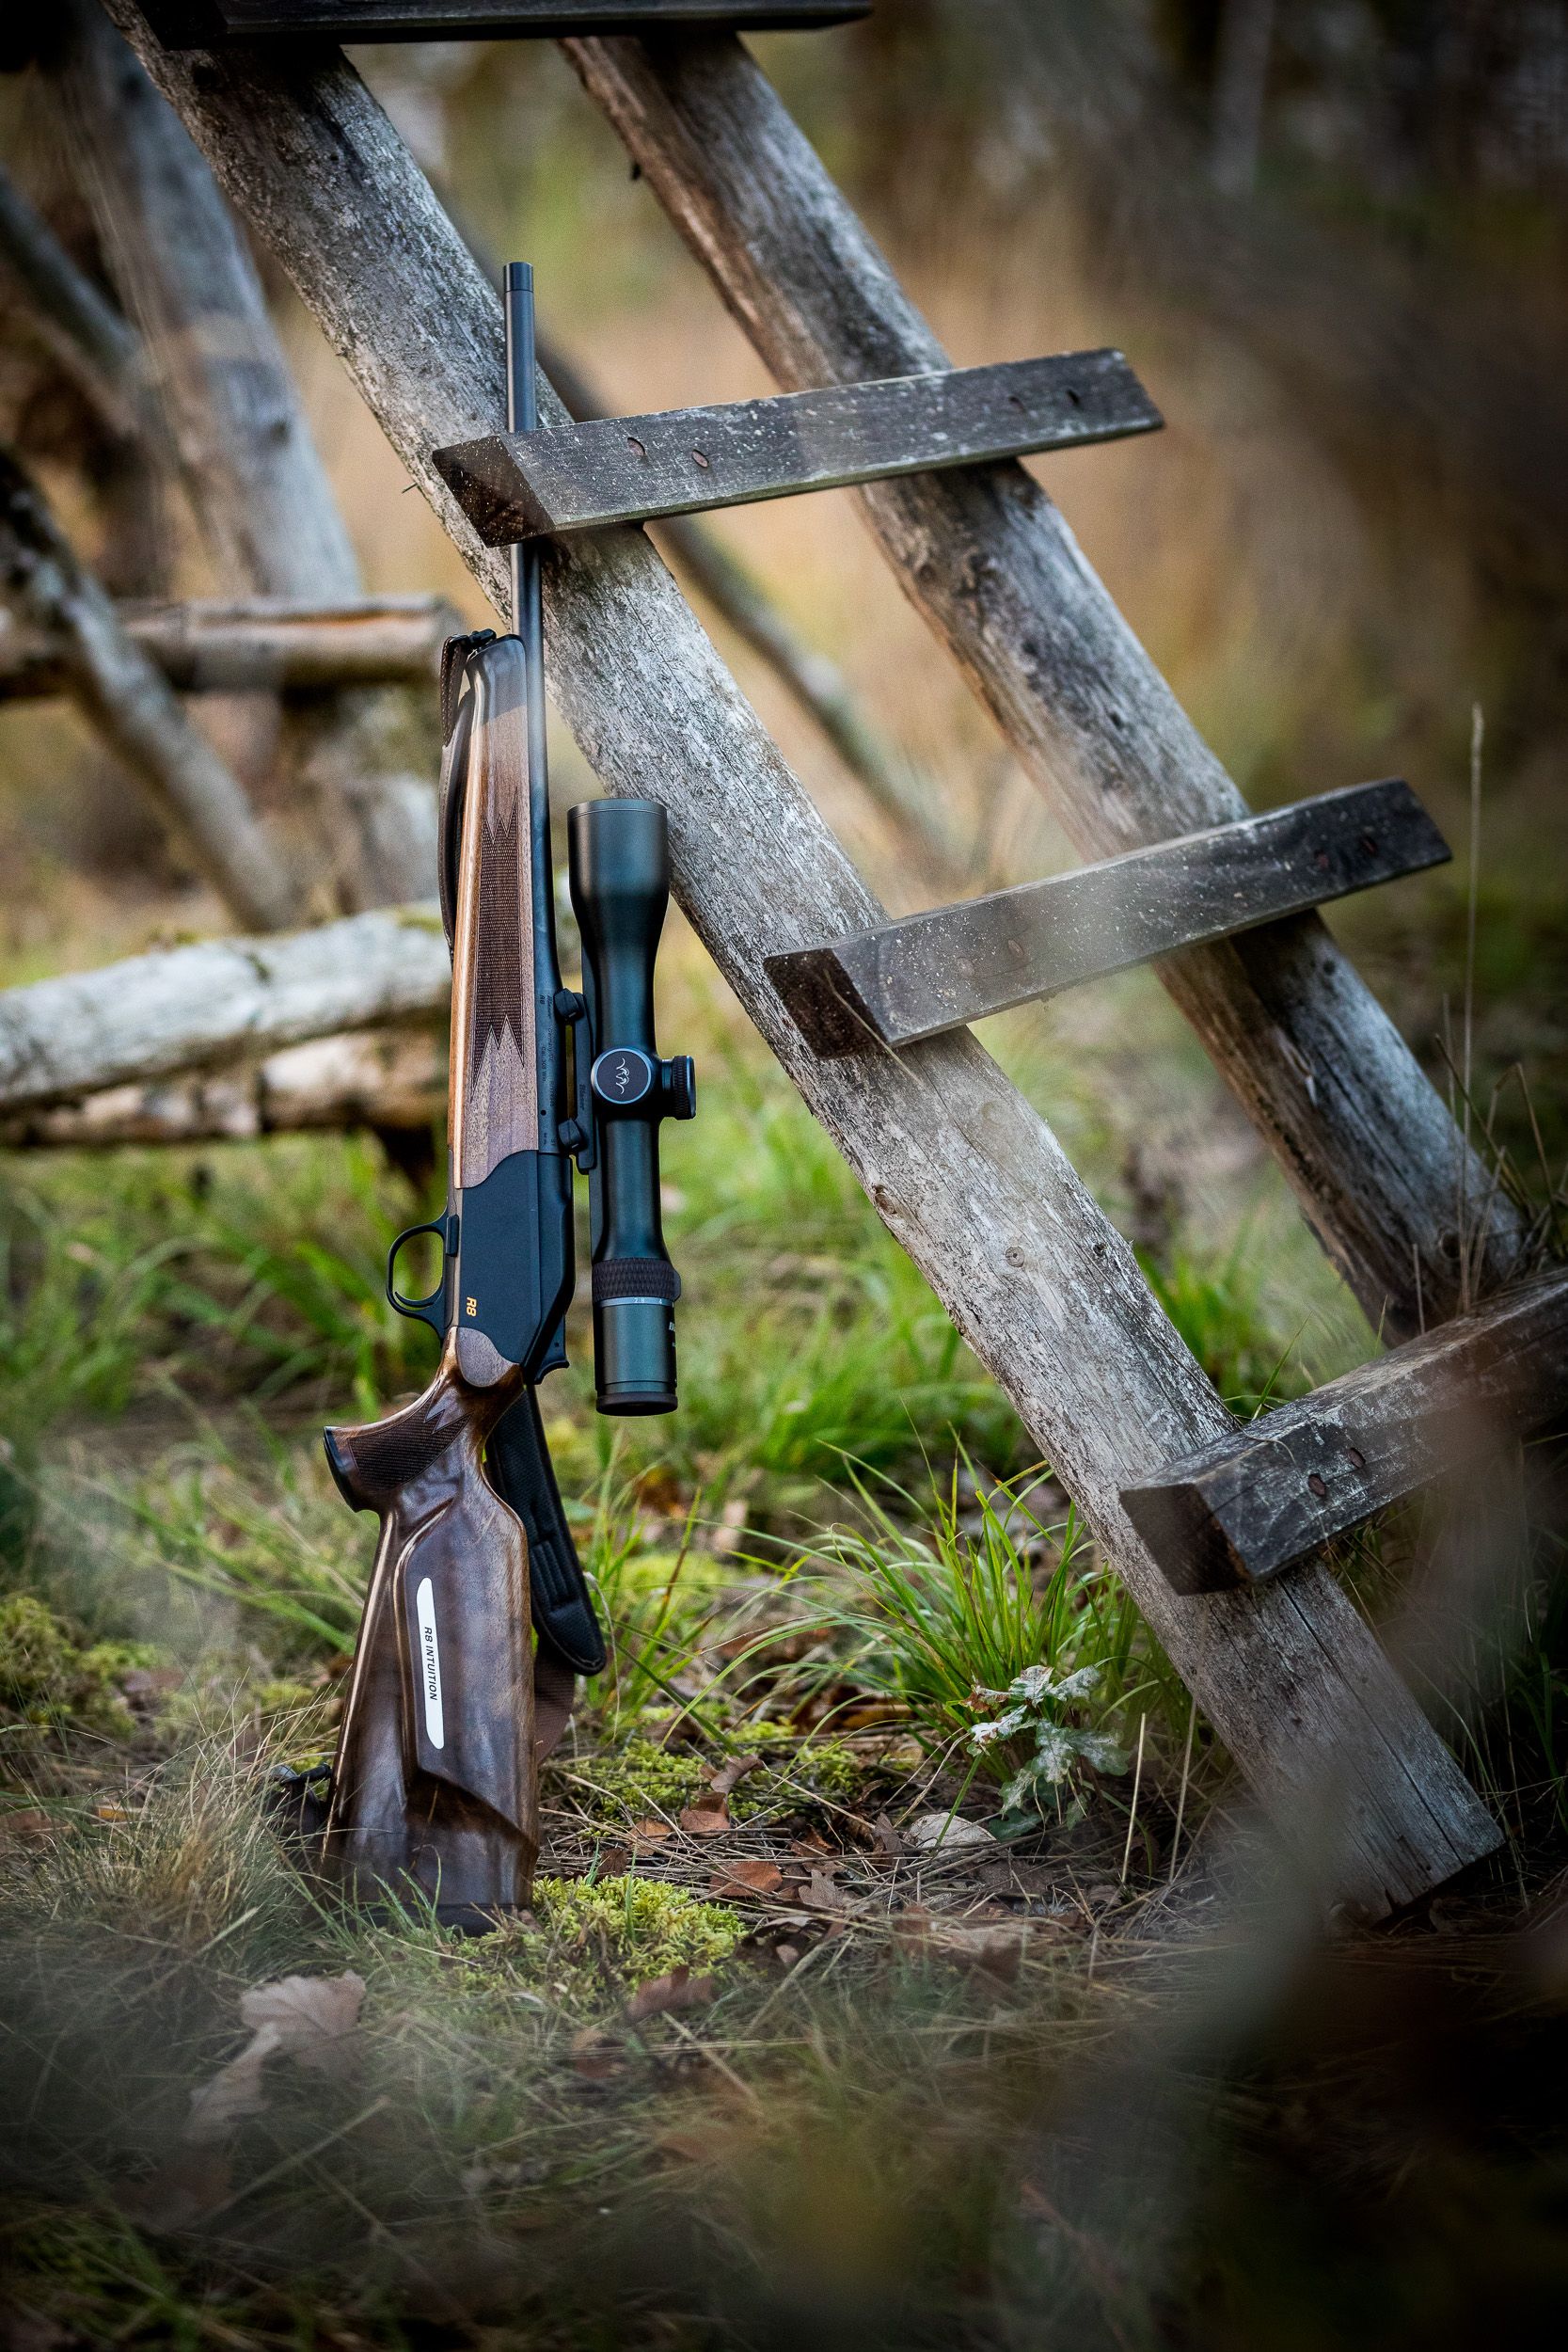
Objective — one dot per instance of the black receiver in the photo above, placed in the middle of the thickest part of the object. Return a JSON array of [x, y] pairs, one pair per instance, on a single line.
[[619, 853]]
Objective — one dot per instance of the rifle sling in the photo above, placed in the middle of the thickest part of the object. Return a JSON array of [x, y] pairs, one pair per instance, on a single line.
[[569, 1640]]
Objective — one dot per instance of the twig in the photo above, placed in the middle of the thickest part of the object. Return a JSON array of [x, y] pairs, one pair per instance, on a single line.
[[1132, 1814]]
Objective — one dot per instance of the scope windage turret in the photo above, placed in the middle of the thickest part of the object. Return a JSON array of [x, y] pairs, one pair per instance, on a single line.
[[620, 880]]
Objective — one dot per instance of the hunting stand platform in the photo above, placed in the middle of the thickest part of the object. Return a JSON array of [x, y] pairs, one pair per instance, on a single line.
[[1200, 1513]]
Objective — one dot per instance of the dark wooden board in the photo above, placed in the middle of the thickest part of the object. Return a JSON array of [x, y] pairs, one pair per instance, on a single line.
[[955, 964], [210, 24], [628, 469], [1244, 1507]]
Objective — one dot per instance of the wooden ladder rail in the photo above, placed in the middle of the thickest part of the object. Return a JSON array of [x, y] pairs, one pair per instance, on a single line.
[[985, 556], [962, 1170]]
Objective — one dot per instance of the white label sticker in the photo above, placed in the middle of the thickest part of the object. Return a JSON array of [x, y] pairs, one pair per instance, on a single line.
[[430, 1664]]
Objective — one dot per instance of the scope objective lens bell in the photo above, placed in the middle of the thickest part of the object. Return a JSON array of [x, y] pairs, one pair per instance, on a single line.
[[618, 872]]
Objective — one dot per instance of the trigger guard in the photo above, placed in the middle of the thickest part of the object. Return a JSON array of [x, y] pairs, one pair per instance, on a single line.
[[431, 1310]]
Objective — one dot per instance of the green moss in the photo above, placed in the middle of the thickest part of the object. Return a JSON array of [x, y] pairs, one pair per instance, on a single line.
[[643, 1777], [647, 1926], [51, 1681], [823, 1767]]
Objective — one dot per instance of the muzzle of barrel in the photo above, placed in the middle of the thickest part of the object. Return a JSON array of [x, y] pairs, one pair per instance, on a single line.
[[619, 870]]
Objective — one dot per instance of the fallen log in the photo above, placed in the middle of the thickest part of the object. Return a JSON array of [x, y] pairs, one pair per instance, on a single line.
[[960, 1169], [185, 1008], [384, 1079], [205, 646], [134, 708]]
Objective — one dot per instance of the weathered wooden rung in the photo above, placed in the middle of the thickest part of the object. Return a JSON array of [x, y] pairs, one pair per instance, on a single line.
[[631, 469], [203, 645], [1240, 1510], [209, 24], [955, 964]]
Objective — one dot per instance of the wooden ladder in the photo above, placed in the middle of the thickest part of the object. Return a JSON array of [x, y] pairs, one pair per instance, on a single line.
[[961, 1170]]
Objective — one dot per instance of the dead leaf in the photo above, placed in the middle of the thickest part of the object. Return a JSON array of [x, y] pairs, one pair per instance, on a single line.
[[614, 1861], [988, 1951], [823, 1895], [811, 1842], [885, 1836], [234, 2093], [753, 1876], [651, 1831], [310, 2018], [787, 1954], [726, 1777], [25, 1826], [946, 1831], [680, 1989], [596, 2056], [708, 1818]]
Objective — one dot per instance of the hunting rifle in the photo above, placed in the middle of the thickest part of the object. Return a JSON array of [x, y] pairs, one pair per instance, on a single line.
[[452, 1703]]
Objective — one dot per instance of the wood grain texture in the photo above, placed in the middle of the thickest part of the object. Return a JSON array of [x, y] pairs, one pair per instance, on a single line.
[[200, 799], [494, 1066], [384, 1079], [197, 23], [442, 1800], [631, 469], [1367, 1144], [242, 445], [951, 965], [208, 645], [1251, 1505], [958, 1166], [190, 1007], [703, 562]]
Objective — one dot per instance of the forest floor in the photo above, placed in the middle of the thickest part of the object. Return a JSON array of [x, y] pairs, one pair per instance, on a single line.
[[831, 2018]]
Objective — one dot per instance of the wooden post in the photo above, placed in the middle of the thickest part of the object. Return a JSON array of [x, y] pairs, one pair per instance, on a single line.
[[245, 456], [960, 1168], [1376, 1161], [134, 709]]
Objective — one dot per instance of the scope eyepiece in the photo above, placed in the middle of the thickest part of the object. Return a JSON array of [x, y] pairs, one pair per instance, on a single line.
[[618, 872]]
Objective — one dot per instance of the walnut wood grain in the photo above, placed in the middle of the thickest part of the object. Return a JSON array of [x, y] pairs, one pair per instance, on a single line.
[[456, 1821], [495, 1075]]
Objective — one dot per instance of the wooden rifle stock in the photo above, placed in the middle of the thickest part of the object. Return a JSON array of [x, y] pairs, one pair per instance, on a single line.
[[434, 1788]]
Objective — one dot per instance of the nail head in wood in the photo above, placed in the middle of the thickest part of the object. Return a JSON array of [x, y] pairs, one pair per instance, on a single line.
[[630, 470], [942, 969], [1247, 1506]]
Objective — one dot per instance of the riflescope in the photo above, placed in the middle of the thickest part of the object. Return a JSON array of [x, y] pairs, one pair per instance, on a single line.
[[619, 853]]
